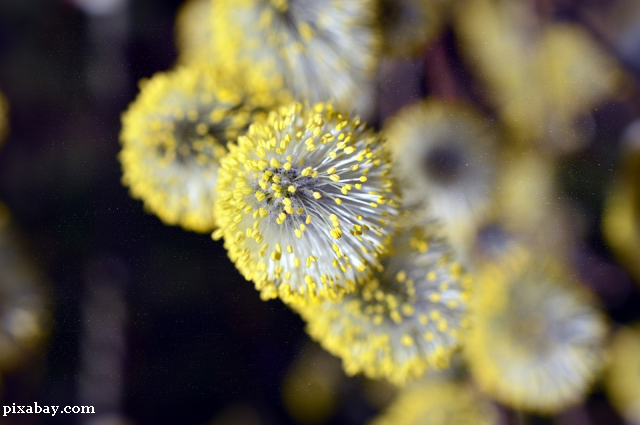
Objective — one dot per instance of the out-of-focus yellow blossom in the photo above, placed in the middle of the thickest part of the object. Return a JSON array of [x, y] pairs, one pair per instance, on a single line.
[[23, 300], [310, 386], [541, 76], [409, 25], [305, 203], [577, 74], [621, 221], [320, 51], [538, 340], [623, 375], [527, 203], [444, 155], [407, 319], [4, 118], [194, 33], [439, 403], [525, 189], [173, 136]]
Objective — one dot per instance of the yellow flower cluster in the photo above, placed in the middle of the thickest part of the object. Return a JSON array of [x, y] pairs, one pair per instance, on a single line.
[[623, 375], [305, 203], [439, 403], [538, 339], [319, 51], [445, 156], [404, 320], [365, 234], [173, 137], [194, 33]]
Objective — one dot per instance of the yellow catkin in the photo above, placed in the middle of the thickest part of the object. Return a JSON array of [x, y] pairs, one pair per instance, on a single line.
[[194, 33], [622, 384], [287, 47], [173, 136], [537, 341], [382, 329], [445, 157], [439, 402], [300, 211]]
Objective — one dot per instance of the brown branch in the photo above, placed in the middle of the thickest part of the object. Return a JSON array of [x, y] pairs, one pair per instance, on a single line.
[[439, 74]]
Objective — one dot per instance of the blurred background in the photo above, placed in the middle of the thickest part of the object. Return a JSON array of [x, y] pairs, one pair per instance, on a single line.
[[152, 324]]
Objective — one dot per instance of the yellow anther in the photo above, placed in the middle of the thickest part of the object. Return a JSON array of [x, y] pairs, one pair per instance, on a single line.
[[407, 309], [443, 326]]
